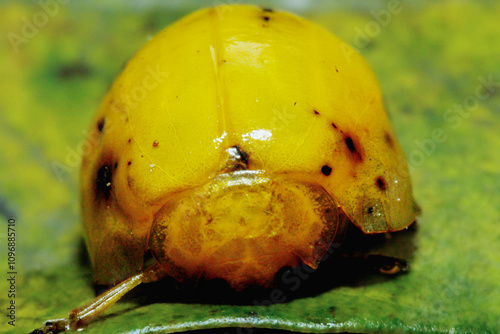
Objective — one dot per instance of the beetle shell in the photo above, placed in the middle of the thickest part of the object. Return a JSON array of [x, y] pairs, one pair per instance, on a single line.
[[238, 91]]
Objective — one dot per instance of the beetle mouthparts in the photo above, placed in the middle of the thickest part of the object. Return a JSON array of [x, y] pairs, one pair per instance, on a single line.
[[243, 227]]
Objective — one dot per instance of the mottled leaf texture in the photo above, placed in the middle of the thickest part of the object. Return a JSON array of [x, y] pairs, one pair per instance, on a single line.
[[438, 67]]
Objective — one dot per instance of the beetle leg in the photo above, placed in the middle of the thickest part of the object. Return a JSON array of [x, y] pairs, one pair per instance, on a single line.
[[387, 265], [384, 264], [80, 317]]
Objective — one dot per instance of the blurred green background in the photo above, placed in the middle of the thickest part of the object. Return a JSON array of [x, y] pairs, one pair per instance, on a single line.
[[438, 65]]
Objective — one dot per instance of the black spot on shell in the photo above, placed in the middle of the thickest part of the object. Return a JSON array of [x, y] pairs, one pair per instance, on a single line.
[[267, 9], [333, 124], [103, 182], [370, 210], [380, 182], [100, 124], [130, 140], [243, 156], [354, 148], [316, 112], [129, 163], [350, 144], [155, 143], [266, 18], [237, 159], [326, 170], [116, 166]]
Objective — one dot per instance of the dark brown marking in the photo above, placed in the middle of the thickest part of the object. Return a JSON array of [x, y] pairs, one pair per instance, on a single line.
[[388, 139], [267, 9], [130, 181], [354, 148], [100, 124], [333, 124], [266, 18], [103, 182], [130, 140], [129, 163], [326, 170], [295, 103], [116, 166], [350, 144], [380, 182], [370, 210], [155, 143], [336, 69], [316, 112], [243, 156], [237, 160]]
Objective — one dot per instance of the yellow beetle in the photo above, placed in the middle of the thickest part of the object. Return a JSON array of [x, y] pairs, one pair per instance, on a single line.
[[237, 141]]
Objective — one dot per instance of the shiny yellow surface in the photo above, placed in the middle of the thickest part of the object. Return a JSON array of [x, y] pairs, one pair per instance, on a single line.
[[289, 94]]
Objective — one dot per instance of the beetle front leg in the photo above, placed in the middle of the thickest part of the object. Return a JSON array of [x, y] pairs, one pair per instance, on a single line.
[[81, 317], [387, 265], [383, 264]]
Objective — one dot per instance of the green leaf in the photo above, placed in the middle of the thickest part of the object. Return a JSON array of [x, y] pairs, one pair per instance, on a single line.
[[432, 59]]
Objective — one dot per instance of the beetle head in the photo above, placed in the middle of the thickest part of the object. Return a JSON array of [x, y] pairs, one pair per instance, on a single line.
[[243, 227]]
